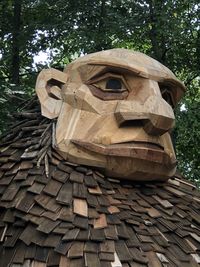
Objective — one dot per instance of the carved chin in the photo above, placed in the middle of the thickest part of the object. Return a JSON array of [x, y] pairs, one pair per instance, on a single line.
[[134, 160]]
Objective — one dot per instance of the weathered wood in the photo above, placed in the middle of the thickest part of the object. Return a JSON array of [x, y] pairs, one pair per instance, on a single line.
[[76, 177], [65, 194], [38, 264], [47, 226], [58, 209], [122, 251], [81, 222], [80, 207], [165, 203], [41, 254], [107, 246], [116, 113], [20, 254], [11, 192], [26, 115], [79, 190], [52, 188], [91, 260], [64, 262], [113, 209], [26, 203], [76, 250], [90, 181], [104, 256], [71, 235], [100, 222], [95, 191], [116, 262]]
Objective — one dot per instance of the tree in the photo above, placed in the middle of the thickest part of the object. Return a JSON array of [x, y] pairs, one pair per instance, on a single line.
[[15, 63], [167, 30]]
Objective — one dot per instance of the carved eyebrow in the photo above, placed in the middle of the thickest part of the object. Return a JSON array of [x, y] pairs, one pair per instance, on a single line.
[[120, 70]]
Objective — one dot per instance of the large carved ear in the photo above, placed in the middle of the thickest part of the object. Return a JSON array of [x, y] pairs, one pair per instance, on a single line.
[[48, 89]]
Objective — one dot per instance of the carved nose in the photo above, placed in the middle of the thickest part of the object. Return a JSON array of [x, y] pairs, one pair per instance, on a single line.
[[155, 115]]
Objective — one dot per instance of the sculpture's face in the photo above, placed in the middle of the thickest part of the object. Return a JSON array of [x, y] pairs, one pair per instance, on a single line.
[[112, 113]]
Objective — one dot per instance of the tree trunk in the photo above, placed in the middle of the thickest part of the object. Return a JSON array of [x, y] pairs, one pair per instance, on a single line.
[[15, 64], [157, 40], [101, 29]]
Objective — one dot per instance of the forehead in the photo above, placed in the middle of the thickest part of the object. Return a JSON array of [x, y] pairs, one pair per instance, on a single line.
[[123, 60]]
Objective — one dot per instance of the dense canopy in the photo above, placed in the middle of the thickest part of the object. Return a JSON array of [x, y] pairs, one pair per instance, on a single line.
[[166, 30]]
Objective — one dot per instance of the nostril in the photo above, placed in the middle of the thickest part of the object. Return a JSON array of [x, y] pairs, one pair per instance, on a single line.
[[132, 123], [130, 119]]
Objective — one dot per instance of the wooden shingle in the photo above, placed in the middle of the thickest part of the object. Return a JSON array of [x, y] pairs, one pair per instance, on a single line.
[[79, 217]]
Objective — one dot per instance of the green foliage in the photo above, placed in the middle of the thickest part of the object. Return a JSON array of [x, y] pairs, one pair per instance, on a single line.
[[187, 133], [11, 98], [167, 30]]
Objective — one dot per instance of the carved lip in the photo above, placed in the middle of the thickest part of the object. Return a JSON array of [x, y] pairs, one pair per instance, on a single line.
[[140, 150]]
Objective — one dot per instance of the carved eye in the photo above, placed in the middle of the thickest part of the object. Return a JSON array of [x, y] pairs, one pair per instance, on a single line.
[[109, 86], [114, 84], [167, 95], [110, 82]]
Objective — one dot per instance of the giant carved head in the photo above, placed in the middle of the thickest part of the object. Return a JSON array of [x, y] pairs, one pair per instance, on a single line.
[[114, 111]]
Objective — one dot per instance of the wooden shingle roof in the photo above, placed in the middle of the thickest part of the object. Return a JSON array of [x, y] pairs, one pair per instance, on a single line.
[[54, 213]]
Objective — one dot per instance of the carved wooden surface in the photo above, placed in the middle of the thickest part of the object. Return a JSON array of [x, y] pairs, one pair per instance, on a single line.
[[115, 112], [89, 219]]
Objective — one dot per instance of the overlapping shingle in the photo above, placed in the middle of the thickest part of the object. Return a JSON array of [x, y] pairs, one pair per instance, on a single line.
[[54, 213]]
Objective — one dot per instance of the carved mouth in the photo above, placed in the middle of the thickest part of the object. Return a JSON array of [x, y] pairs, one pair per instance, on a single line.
[[139, 150]]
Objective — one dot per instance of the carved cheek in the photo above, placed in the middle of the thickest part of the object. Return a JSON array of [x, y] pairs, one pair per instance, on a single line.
[[92, 104]]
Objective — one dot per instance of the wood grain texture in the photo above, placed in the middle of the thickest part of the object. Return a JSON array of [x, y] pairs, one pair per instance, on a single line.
[[125, 131], [80, 207], [57, 213]]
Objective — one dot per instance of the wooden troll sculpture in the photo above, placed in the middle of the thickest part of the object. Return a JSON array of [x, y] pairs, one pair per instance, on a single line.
[[115, 112], [90, 180]]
